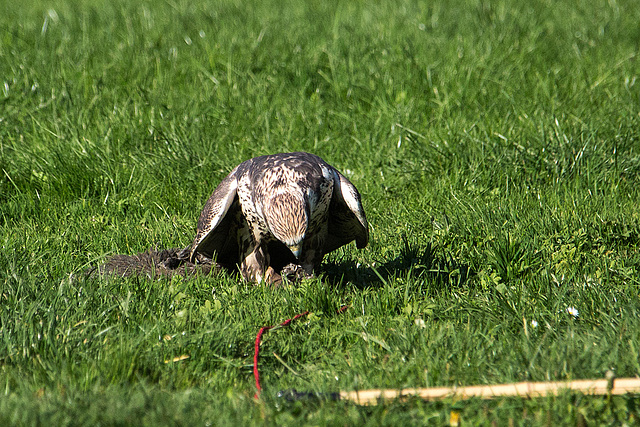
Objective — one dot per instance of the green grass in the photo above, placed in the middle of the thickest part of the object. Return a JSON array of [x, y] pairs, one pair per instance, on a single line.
[[496, 146]]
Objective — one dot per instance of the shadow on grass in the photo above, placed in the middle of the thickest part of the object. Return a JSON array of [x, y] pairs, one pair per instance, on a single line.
[[417, 262]]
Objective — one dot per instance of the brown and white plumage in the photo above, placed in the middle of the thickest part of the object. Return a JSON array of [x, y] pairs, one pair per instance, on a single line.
[[273, 211]]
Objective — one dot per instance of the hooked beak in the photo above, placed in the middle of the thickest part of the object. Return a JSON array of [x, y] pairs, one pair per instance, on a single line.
[[296, 250]]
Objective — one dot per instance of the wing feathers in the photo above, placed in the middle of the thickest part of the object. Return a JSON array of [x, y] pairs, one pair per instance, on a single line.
[[209, 240], [347, 220]]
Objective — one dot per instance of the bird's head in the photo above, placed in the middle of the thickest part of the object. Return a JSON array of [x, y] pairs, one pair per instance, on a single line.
[[287, 215]]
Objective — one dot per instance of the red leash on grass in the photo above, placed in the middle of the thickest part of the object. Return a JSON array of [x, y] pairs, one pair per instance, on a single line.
[[256, 373]]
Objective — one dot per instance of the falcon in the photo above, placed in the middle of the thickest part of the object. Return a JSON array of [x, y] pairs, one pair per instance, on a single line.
[[279, 215]]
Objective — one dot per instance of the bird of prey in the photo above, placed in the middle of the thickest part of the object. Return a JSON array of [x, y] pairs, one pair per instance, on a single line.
[[279, 214]]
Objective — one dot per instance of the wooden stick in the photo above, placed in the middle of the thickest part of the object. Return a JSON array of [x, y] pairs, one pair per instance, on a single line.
[[523, 389]]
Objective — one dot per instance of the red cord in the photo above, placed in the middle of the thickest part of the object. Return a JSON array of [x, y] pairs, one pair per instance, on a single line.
[[256, 373]]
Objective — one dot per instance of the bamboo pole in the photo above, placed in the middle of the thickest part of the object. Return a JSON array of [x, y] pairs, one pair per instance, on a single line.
[[523, 389]]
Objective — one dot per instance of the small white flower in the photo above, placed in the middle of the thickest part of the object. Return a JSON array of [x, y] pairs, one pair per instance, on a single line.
[[534, 324], [572, 311]]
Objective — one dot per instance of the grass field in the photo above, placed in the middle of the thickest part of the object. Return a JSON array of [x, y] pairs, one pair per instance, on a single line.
[[496, 145]]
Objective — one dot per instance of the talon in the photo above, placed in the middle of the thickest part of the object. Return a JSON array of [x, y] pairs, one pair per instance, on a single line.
[[272, 278], [295, 272]]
